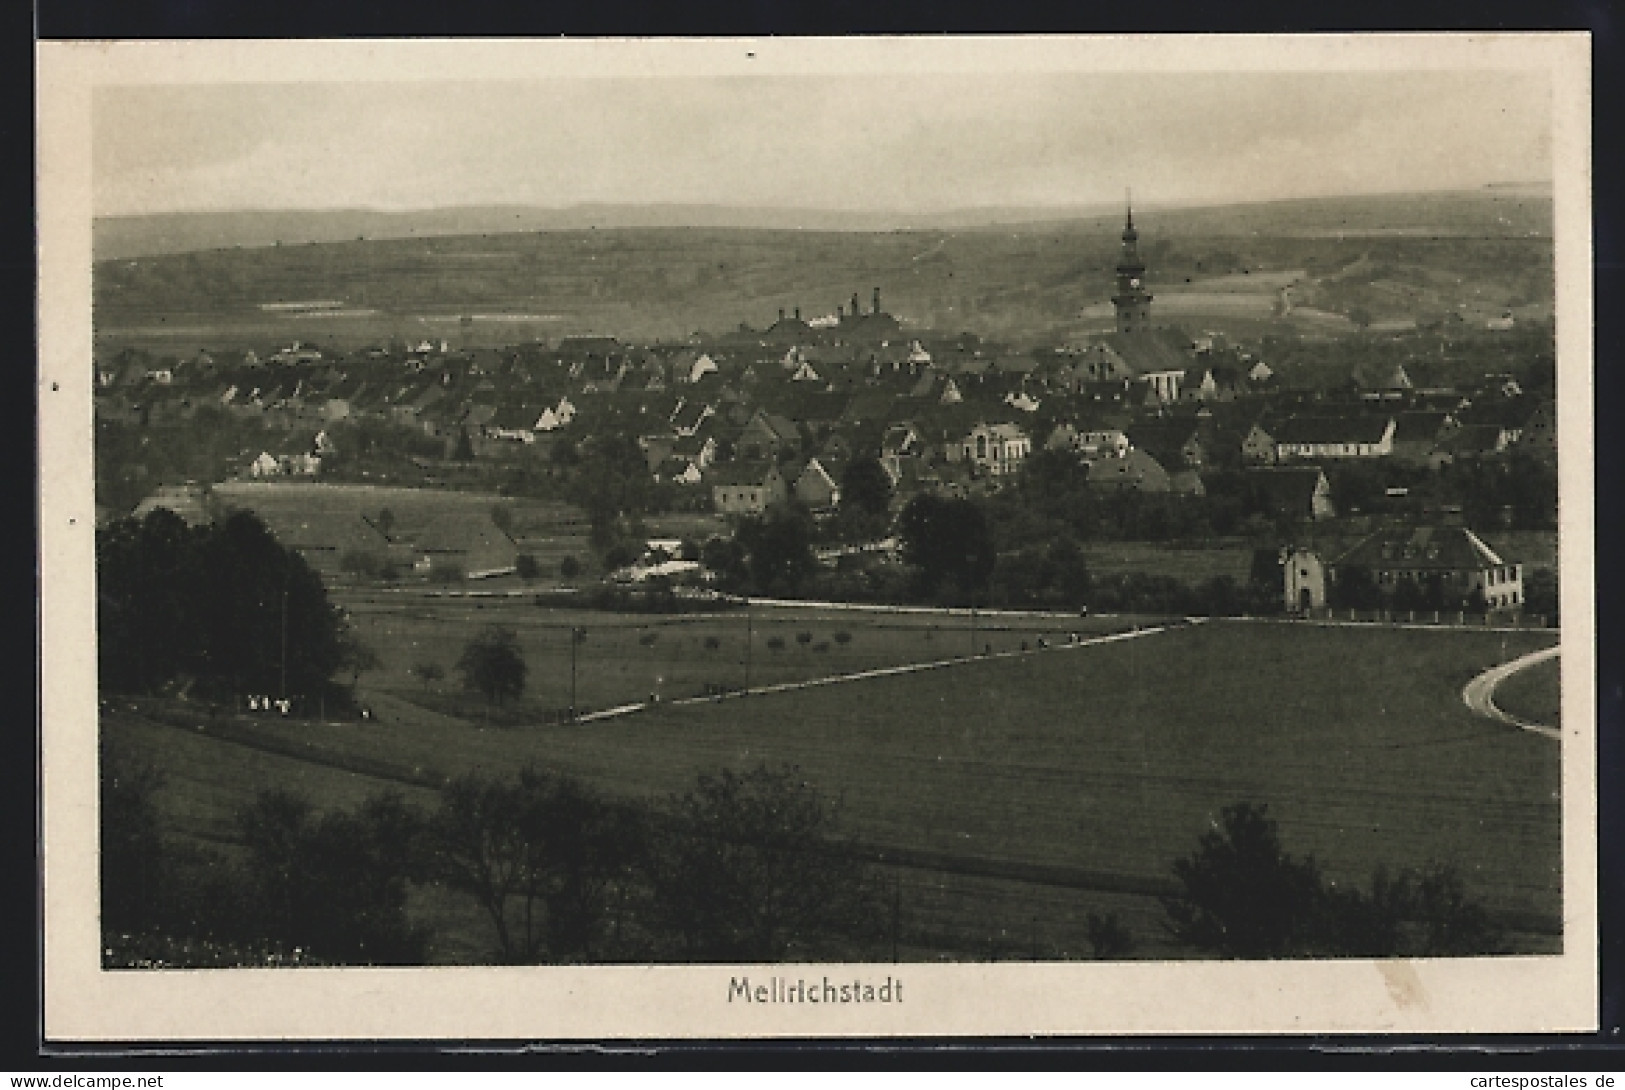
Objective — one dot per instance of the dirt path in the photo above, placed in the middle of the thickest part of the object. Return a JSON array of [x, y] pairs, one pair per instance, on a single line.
[[1479, 694], [883, 671]]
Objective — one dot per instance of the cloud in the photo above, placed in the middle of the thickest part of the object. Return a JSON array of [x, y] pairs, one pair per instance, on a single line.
[[930, 141]]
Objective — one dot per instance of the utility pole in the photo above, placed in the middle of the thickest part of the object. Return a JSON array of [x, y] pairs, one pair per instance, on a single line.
[[286, 574], [575, 638]]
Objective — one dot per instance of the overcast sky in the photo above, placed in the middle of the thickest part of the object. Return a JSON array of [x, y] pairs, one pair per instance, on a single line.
[[884, 143]]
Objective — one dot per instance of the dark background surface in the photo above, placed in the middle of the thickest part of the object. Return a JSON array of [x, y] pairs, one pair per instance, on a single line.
[[402, 18]]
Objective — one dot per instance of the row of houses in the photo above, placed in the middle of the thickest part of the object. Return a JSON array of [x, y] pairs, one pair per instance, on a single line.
[[1450, 566]]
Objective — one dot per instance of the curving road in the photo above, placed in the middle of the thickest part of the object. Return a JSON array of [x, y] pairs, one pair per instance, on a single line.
[[1479, 695]]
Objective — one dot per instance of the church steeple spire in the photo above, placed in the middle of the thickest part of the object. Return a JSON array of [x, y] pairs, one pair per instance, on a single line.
[[1132, 301]]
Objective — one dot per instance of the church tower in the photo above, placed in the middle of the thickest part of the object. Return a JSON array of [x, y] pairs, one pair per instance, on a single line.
[[1132, 301]]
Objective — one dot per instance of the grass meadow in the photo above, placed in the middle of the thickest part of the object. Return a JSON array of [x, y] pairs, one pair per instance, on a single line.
[[1010, 797], [1533, 693], [627, 658]]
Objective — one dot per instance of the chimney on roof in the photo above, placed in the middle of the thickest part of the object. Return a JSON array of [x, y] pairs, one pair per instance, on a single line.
[[877, 300], [798, 314]]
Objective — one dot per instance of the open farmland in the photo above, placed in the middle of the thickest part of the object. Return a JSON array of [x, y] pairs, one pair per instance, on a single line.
[[1014, 796], [320, 519], [1112, 759], [628, 657]]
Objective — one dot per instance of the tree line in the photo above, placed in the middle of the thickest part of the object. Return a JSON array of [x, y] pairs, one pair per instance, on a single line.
[[748, 867], [743, 867], [223, 609]]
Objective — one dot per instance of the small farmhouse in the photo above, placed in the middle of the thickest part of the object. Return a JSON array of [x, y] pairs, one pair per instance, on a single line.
[[746, 488]]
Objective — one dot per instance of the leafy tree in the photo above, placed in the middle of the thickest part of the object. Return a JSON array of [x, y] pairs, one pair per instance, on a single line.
[[1072, 581], [949, 540], [362, 563], [1540, 593], [1108, 938], [778, 549], [334, 884], [569, 568], [750, 869], [493, 665], [359, 659], [526, 567], [592, 853], [1452, 923], [147, 601], [1241, 895], [480, 849], [546, 859], [428, 673], [131, 848], [386, 521], [612, 478], [726, 558], [1056, 484], [225, 604], [620, 554], [866, 492]]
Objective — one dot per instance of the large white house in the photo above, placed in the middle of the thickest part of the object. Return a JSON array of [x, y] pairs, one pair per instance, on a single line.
[[995, 449]]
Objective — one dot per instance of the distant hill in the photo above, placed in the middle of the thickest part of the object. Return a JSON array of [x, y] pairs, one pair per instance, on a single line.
[[1525, 209], [1333, 263], [123, 237]]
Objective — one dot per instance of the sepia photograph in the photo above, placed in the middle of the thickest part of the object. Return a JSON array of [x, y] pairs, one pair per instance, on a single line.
[[841, 537]]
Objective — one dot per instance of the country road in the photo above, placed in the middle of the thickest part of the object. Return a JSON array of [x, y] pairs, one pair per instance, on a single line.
[[883, 671], [1479, 693]]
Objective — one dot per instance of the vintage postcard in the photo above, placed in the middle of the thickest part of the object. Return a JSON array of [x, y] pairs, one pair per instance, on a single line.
[[547, 540]]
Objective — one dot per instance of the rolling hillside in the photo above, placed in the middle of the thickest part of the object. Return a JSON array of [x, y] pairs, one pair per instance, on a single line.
[[1030, 281]]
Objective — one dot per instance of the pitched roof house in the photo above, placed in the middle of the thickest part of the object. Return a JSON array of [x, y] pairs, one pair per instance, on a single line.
[[745, 488], [818, 485], [477, 545], [767, 435], [1451, 562], [1334, 437], [1135, 471], [1175, 444]]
